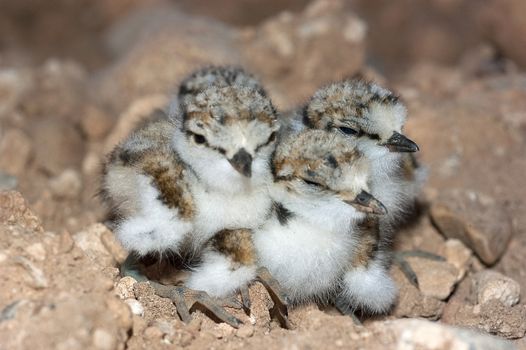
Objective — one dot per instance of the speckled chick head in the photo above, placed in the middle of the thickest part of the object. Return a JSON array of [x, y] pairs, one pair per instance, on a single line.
[[361, 110], [315, 163], [219, 76], [236, 123]]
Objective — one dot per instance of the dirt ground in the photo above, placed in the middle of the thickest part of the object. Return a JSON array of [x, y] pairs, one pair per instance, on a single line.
[[74, 80]]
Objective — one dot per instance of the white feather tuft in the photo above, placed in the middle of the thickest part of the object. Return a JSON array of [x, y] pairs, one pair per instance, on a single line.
[[218, 276], [155, 227], [370, 289]]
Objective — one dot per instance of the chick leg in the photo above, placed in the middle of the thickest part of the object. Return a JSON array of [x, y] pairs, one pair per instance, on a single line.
[[399, 258], [238, 246], [245, 298], [343, 306], [183, 297], [280, 308], [131, 267]]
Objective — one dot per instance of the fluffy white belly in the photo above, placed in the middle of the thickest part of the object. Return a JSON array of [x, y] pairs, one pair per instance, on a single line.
[[306, 260], [219, 211]]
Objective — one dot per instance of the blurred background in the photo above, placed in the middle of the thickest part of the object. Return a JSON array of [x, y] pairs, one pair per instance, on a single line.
[[399, 33], [77, 75]]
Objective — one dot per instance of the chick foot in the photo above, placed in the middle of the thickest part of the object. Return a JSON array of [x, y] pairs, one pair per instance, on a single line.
[[245, 298], [399, 258], [184, 298], [279, 298]]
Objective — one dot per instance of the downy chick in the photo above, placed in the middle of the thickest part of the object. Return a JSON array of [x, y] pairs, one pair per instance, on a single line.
[[319, 192], [228, 262], [178, 181], [373, 118]]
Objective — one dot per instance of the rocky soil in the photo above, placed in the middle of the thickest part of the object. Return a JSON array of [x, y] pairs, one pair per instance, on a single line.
[[65, 105]]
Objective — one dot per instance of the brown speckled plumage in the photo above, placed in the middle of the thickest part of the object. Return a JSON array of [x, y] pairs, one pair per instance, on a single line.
[[408, 167], [306, 156], [336, 103], [168, 176], [148, 151], [368, 236], [219, 76], [237, 244], [228, 105]]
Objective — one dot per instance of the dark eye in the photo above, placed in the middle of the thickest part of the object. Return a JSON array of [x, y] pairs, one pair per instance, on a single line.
[[312, 183], [362, 197], [348, 131], [199, 139]]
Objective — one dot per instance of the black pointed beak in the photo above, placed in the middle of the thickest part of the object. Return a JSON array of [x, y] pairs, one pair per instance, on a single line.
[[365, 202], [399, 143], [242, 162]]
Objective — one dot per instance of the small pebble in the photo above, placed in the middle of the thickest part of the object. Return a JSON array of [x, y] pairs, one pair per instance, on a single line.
[[492, 285], [458, 255], [124, 287], [472, 218], [437, 279], [135, 307], [111, 272]]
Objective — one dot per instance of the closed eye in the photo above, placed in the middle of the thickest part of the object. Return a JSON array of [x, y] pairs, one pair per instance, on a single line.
[[312, 183], [349, 131]]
